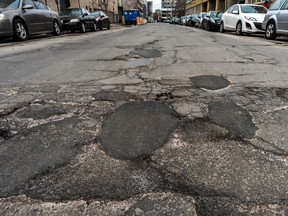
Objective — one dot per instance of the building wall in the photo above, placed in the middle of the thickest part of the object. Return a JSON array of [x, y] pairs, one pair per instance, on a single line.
[[197, 6]]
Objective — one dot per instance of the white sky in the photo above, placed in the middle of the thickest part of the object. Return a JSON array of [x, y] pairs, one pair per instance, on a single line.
[[156, 4]]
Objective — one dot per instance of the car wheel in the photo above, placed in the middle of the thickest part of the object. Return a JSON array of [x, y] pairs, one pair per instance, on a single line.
[[101, 26], [83, 28], [270, 32], [239, 28], [94, 27], [222, 30], [20, 30], [56, 28]]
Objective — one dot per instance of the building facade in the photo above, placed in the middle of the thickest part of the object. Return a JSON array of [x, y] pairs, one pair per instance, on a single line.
[[197, 6], [113, 8], [168, 9]]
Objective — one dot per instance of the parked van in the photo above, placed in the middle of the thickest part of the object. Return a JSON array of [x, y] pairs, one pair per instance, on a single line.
[[276, 20]]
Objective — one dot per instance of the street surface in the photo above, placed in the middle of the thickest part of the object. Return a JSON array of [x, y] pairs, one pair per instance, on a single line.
[[149, 120]]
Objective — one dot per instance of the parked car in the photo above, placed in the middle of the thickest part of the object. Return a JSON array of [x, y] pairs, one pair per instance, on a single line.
[[22, 18], [77, 19], [276, 20], [192, 19], [212, 20], [243, 18], [102, 20], [175, 20], [198, 22]]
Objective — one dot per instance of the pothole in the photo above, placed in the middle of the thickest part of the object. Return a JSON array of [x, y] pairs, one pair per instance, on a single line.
[[210, 82], [234, 118], [147, 53]]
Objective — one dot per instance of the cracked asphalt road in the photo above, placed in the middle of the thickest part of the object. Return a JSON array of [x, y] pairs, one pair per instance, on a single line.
[[151, 120]]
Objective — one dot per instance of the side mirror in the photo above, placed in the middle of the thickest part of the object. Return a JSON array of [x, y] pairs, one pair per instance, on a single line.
[[235, 12], [102, 16], [27, 7], [85, 14]]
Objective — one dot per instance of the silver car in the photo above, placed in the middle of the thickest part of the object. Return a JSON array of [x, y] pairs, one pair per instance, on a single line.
[[276, 20], [22, 18]]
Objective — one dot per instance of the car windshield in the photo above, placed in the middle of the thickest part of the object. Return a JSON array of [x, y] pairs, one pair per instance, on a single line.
[[203, 15], [96, 14], [252, 9], [9, 4], [216, 14], [75, 12]]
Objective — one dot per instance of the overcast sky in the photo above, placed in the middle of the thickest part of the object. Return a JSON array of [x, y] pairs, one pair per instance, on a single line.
[[156, 4]]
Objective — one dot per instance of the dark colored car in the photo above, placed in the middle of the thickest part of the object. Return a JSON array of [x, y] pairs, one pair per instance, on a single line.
[[74, 19], [212, 20], [102, 20], [22, 18]]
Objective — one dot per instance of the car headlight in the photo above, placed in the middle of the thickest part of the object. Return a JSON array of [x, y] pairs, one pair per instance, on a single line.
[[74, 20], [250, 18], [1, 16]]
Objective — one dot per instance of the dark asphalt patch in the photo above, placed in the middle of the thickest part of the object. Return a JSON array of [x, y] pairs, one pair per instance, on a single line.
[[210, 82], [233, 117], [113, 96], [147, 53], [137, 128], [39, 150]]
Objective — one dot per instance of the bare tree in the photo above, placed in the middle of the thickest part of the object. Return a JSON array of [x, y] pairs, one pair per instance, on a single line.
[[180, 8]]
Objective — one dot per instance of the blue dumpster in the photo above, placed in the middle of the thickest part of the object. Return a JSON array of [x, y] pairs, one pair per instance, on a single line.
[[130, 17]]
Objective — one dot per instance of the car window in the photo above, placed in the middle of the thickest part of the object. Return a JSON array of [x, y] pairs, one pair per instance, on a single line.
[[230, 9], [85, 11], [9, 4], [276, 5], [236, 8], [252, 9], [96, 14], [40, 5], [213, 14], [285, 7], [74, 12], [28, 2]]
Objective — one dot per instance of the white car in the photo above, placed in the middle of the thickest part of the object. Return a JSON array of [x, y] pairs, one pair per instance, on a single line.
[[243, 18]]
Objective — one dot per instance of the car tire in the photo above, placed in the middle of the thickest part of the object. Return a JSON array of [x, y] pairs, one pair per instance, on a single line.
[[270, 32], [239, 28], [101, 26], [83, 28], [108, 27], [20, 30], [56, 28], [222, 30], [94, 27]]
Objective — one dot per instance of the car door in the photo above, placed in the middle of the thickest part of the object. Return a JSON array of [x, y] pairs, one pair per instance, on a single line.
[[88, 19], [234, 17], [282, 17], [46, 15], [229, 16], [32, 16], [104, 19]]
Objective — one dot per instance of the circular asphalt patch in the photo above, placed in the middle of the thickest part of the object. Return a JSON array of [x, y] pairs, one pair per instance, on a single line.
[[233, 117], [210, 82], [147, 53], [136, 129]]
